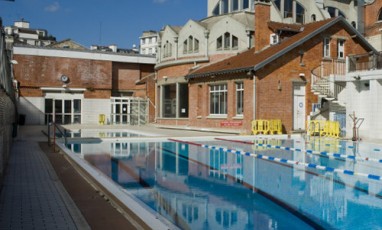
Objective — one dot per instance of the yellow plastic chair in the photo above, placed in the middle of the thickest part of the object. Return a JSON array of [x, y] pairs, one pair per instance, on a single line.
[[101, 119], [260, 126], [275, 126]]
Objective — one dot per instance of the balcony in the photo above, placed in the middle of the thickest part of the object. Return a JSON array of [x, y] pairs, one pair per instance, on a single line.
[[365, 62]]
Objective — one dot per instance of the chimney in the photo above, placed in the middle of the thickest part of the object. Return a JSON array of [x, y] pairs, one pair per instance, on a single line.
[[262, 31]]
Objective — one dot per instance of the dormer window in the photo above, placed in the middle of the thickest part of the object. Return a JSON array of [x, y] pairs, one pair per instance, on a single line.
[[227, 42], [190, 45]]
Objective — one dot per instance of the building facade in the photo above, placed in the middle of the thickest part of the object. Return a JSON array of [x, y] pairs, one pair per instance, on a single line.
[[240, 98], [148, 42], [75, 86], [21, 33]]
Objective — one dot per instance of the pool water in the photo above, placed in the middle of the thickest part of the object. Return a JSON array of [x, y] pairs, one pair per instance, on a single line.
[[226, 184]]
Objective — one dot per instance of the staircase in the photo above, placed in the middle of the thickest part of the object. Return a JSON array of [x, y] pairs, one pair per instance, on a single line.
[[324, 85]]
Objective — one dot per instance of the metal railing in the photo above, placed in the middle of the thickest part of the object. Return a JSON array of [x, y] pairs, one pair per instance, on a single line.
[[321, 77], [56, 128], [365, 62]]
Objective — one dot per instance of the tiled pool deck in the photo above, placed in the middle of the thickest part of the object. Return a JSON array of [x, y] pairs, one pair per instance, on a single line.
[[33, 197]]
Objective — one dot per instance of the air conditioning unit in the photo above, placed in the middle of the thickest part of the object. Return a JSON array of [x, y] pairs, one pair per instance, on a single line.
[[274, 39]]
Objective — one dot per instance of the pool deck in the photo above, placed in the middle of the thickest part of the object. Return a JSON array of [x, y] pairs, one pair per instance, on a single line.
[[33, 195]]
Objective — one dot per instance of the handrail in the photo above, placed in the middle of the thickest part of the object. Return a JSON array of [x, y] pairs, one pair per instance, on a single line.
[[56, 127], [320, 77]]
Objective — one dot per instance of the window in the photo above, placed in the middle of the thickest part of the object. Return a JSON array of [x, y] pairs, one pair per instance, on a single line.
[[225, 6], [228, 41], [235, 6], [218, 99], [380, 15], [219, 43], [239, 98], [341, 48], [167, 49], [191, 45], [235, 42], [326, 47], [63, 111]]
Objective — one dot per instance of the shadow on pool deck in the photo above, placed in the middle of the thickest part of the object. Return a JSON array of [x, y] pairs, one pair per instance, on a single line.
[[44, 189]]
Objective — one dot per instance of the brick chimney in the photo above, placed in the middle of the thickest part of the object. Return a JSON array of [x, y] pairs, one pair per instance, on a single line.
[[262, 17]]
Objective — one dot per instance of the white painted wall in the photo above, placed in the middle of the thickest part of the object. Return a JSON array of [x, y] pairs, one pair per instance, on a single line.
[[92, 108], [366, 102]]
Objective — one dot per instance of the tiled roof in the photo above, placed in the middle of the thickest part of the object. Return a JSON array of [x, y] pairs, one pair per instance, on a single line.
[[274, 26], [249, 60]]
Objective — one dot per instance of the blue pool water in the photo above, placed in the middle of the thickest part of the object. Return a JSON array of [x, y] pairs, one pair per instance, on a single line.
[[318, 183]]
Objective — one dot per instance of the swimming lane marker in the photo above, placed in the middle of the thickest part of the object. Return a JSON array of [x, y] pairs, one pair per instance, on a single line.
[[281, 160], [309, 151]]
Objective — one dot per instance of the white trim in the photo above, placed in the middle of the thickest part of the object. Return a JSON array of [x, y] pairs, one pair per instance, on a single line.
[[63, 89], [90, 55]]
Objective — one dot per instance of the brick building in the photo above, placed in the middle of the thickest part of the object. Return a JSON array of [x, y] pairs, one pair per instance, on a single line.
[[273, 79], [230, 30], [76, 86]]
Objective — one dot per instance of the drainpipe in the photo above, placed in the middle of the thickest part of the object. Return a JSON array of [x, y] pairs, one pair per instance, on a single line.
[[254, 96]]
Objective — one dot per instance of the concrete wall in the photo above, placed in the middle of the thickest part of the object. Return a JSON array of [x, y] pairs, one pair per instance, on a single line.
[[364, 99]]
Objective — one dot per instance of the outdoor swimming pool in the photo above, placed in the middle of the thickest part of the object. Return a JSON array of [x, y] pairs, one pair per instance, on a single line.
[[248, 183]]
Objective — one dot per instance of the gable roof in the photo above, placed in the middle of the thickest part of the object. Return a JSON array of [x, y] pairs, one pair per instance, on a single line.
[[249, 60]]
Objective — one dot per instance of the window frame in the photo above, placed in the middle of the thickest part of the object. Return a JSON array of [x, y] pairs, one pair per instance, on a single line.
[[239, 87], [326, 47], [218, 107]]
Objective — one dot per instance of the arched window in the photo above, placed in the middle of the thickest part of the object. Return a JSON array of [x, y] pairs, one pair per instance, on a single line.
[[380, 15], [227, 42], [167, 49], [313, 17], [354, 24], [191, 45]]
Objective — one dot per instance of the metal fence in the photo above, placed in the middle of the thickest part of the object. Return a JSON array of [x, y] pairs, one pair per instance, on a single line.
[[8, 111]]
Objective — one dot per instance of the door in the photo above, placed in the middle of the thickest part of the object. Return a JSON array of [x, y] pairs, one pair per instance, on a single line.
[[299, 107]]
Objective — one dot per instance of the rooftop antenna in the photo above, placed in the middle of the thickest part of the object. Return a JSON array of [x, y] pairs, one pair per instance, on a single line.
[[100, 33]]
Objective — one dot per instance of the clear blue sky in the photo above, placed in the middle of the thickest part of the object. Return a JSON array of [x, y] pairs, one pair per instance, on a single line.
[[102, 22]]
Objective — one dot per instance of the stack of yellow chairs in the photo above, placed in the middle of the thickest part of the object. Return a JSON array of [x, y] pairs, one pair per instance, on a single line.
[[101, 119], [266, 126], [324, 128]]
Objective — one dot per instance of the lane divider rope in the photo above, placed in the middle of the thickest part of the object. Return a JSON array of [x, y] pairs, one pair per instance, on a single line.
[[309, 151], [282, 160]]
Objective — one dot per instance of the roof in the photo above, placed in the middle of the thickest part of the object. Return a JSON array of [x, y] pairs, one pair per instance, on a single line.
[[251, 60]]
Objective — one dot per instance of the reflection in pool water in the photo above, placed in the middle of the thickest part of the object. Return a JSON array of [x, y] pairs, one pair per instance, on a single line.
[[199, 188]]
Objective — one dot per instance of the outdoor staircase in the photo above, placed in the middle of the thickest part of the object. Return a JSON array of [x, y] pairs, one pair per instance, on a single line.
[[323, 85]]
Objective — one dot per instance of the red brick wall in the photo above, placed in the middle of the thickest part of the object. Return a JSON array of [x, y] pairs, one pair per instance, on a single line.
[[40, 71], [98, 77], [372, 26], [262, 31]]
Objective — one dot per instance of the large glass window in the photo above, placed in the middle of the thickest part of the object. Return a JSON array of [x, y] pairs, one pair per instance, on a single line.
[[218, 99], [169, 100], [239, 98], [62, 111], [175, 100]]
